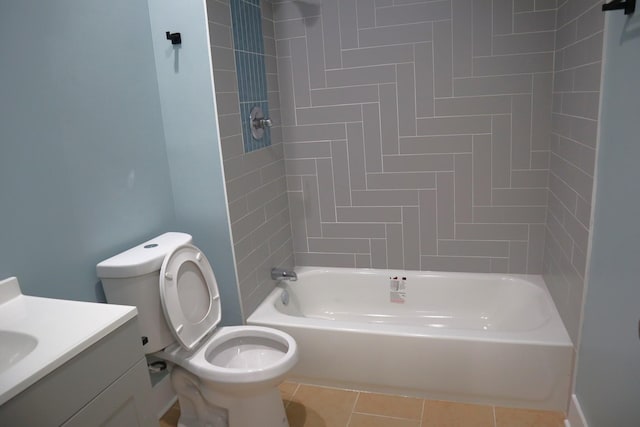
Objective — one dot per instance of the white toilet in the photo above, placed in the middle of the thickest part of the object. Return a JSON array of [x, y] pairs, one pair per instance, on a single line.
[[225, 377]]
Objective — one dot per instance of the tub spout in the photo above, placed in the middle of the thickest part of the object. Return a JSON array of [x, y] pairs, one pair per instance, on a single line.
[[282, 274]]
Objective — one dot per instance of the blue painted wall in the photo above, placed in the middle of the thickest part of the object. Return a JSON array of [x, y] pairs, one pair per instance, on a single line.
[[88, 166], [83, 165], [193, 145], [608, 374]]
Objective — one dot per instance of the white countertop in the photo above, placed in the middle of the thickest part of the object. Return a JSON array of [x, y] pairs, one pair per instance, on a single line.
[[63, 330]]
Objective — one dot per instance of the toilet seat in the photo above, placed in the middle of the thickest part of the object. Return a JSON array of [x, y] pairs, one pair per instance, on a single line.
[[189, 295]]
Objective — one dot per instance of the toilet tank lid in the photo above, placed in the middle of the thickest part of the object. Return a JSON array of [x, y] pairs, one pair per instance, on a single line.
[[145, 258]]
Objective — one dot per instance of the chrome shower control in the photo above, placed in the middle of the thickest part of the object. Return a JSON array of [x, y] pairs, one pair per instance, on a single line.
[[265, 123], [258, 122]]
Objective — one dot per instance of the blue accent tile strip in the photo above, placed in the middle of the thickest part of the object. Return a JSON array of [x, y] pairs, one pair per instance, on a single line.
[[246, 18]]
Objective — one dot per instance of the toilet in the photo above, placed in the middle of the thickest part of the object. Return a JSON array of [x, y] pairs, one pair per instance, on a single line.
[[224, 377]]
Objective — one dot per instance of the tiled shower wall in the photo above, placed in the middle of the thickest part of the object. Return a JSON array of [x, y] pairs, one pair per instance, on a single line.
[[576, 96], [255, 181], [417, 133]]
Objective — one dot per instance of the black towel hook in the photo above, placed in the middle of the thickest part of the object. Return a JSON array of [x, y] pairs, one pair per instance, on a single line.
[[175, 38], [629, 6]]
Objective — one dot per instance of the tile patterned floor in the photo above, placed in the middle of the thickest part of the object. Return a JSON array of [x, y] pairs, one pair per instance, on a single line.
[[312, 406]]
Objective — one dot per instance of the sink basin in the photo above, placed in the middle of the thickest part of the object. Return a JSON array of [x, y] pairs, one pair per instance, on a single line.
[[38, 335], [15, 346]]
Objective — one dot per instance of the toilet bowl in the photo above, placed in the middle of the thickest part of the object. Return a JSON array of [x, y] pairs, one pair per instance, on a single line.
[[239, 360], [224, 377], [238, 370]]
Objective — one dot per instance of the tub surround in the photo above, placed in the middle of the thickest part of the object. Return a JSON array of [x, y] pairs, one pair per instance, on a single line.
[[416, 134], [576, 97], [255, 181], [455, 336], [454, 135]]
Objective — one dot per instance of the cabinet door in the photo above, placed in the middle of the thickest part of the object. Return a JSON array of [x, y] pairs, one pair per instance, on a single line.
[[125, 403], [72, 386]]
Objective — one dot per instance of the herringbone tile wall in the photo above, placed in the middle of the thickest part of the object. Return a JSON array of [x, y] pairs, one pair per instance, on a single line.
[[417, 133], [576, 97]]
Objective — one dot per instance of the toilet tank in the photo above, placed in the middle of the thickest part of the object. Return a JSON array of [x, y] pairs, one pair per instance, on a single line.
[[132, 278]]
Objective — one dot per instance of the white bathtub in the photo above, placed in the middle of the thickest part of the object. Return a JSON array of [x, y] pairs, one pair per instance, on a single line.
[[481, 338]]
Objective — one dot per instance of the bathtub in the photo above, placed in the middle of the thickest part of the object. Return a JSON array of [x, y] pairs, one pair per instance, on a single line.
[[479, 338]]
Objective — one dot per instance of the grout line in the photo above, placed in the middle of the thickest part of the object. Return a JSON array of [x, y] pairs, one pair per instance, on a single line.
[[389, 417], [502, 55], [473, 181], [346, 144], [437, 230], [353, 408], [364, 148], [576, 42], [387, 66], [296, 390], [491, 170], [526, 267], [531, 114], [333, 177], [386, 245], [454, 198], [579, 66], [560, 113], [402, 226]]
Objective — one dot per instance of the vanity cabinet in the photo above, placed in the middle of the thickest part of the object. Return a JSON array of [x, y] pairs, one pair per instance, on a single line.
[[120, 404], [105, 385]]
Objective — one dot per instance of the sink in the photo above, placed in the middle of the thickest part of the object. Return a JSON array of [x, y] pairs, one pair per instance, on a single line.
[[15, 347], [38, 335]]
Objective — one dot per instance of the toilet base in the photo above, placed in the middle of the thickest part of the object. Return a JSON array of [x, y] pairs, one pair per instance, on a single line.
[[264, 410], [203, 406]]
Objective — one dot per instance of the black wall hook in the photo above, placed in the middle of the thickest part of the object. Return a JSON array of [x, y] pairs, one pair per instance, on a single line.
[[175, 38], [629, 6]]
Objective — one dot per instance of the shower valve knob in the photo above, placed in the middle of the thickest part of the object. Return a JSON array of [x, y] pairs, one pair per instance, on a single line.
[[265, 123]]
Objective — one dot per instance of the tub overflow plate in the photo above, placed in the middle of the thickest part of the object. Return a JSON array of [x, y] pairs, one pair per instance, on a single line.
[[284, 297]]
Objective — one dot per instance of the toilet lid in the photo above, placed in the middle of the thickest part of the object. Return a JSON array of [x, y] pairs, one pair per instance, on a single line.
[[189, 295]]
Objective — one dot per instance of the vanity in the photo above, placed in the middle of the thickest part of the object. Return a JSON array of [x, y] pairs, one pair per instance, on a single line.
[[70, 363]]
